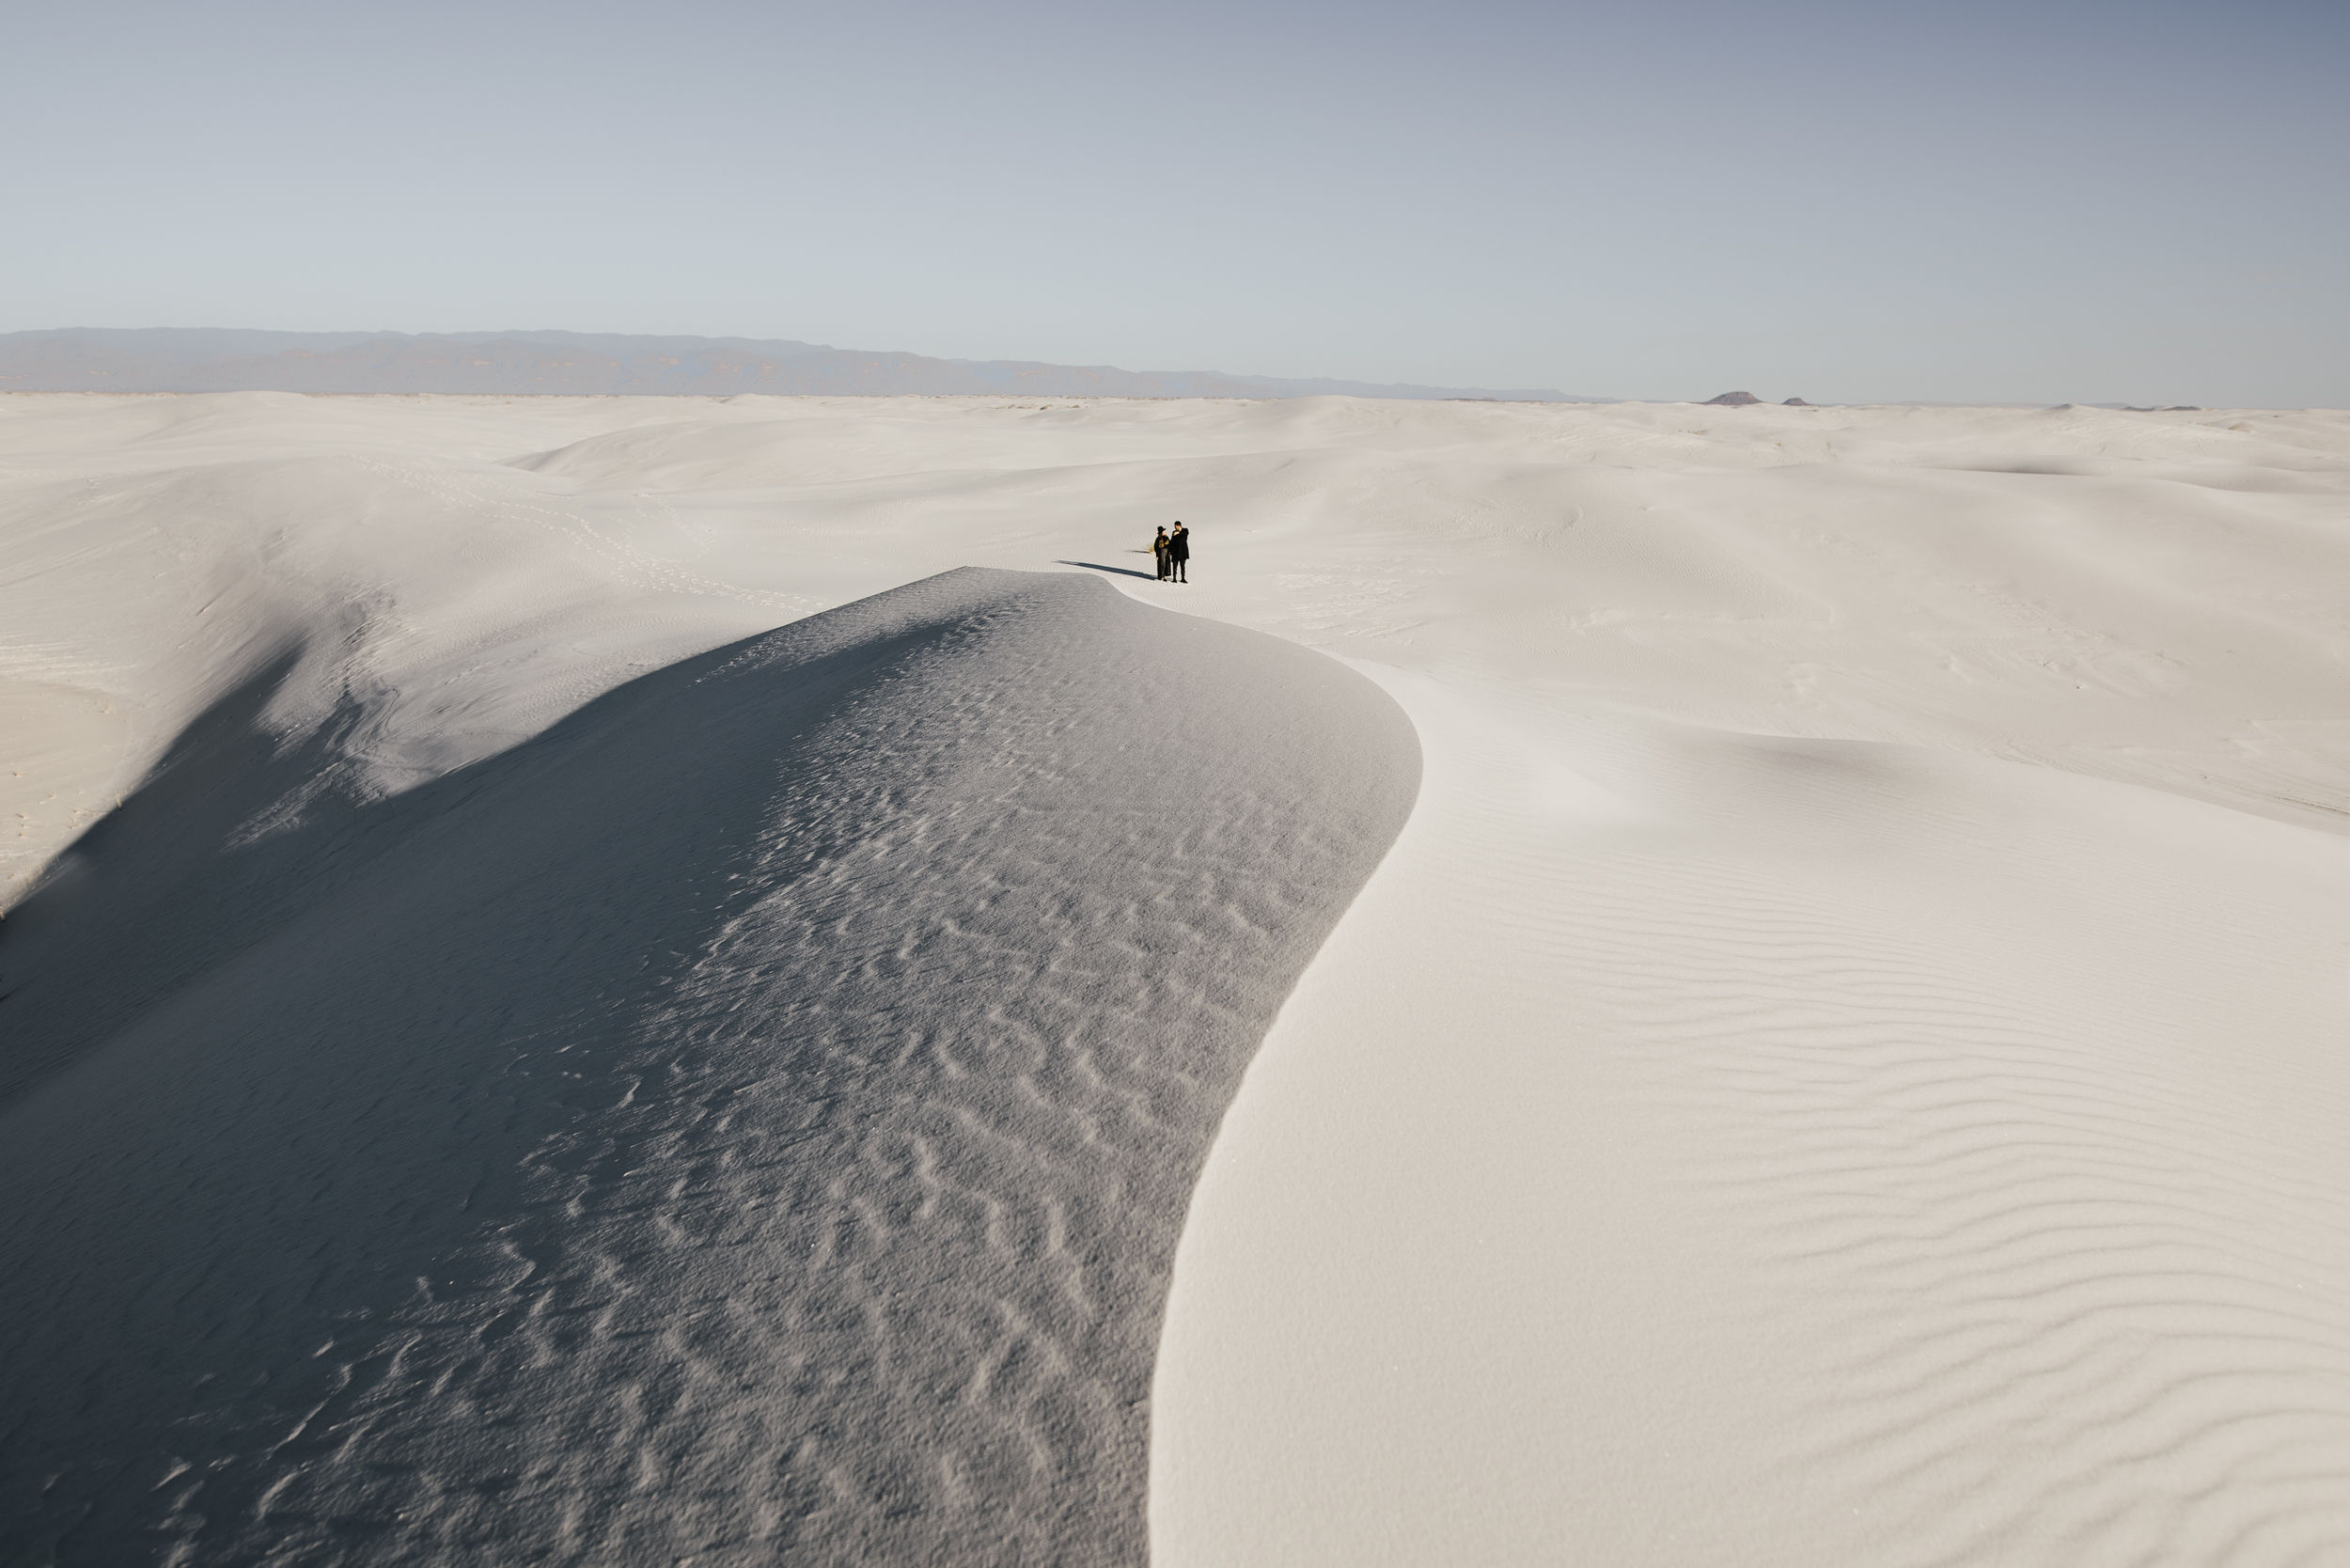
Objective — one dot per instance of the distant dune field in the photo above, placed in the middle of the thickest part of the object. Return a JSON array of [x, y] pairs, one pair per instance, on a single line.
[[638, 979]]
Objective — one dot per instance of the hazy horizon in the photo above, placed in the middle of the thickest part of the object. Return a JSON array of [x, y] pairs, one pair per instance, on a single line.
[[1841, 202], [1190, 382]]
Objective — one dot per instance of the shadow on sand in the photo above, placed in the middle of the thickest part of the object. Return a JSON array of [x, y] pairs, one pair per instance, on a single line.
[[756, 1115], [1121, 570]]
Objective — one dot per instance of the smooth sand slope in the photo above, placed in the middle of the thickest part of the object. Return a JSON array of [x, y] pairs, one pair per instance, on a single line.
[[1804, 1152], [1843, 1064]]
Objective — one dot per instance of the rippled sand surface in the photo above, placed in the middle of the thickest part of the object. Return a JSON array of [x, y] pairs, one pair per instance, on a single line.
[[1842, 1066], [754, 1117]]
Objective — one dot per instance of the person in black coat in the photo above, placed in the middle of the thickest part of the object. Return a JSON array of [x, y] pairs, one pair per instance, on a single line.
[[1158, 548], [1179, 553]]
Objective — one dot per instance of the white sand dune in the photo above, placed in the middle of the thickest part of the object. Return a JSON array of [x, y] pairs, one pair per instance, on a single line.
[[1787, 1152], [1843, 1064], [754, 1115]]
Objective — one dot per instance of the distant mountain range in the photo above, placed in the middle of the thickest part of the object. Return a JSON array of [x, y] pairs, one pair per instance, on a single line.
[[174, 359]]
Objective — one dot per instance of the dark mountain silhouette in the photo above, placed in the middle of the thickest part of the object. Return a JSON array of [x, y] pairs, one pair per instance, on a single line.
[[1732, 400], [171, 359]]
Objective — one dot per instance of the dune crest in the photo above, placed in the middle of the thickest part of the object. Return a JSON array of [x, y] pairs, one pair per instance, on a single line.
[[753, 1116]]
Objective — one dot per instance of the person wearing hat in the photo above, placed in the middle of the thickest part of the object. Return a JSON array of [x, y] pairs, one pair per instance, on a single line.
[[1158, 548]]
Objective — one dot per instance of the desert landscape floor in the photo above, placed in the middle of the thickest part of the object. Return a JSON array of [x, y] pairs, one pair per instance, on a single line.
[[611, 980]]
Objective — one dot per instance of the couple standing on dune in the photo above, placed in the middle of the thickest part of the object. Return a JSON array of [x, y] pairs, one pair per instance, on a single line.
[[1174, 553]]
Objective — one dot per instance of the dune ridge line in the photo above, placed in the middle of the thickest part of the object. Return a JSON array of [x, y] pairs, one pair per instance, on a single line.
[[756, 1115]]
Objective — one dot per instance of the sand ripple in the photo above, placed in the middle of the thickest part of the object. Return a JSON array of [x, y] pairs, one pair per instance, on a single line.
[[1841, 1155], [755, 1117]]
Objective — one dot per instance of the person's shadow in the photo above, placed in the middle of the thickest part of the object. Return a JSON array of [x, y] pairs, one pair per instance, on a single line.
[[1121, 571]]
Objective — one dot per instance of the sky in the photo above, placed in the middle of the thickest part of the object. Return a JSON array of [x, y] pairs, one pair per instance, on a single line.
[[1987, 201]]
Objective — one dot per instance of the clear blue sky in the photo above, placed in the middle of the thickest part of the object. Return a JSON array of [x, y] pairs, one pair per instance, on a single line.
[[1980, 201]]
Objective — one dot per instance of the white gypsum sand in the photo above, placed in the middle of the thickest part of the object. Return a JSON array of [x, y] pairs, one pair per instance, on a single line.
[[1842, 1066], [754, 1115]]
